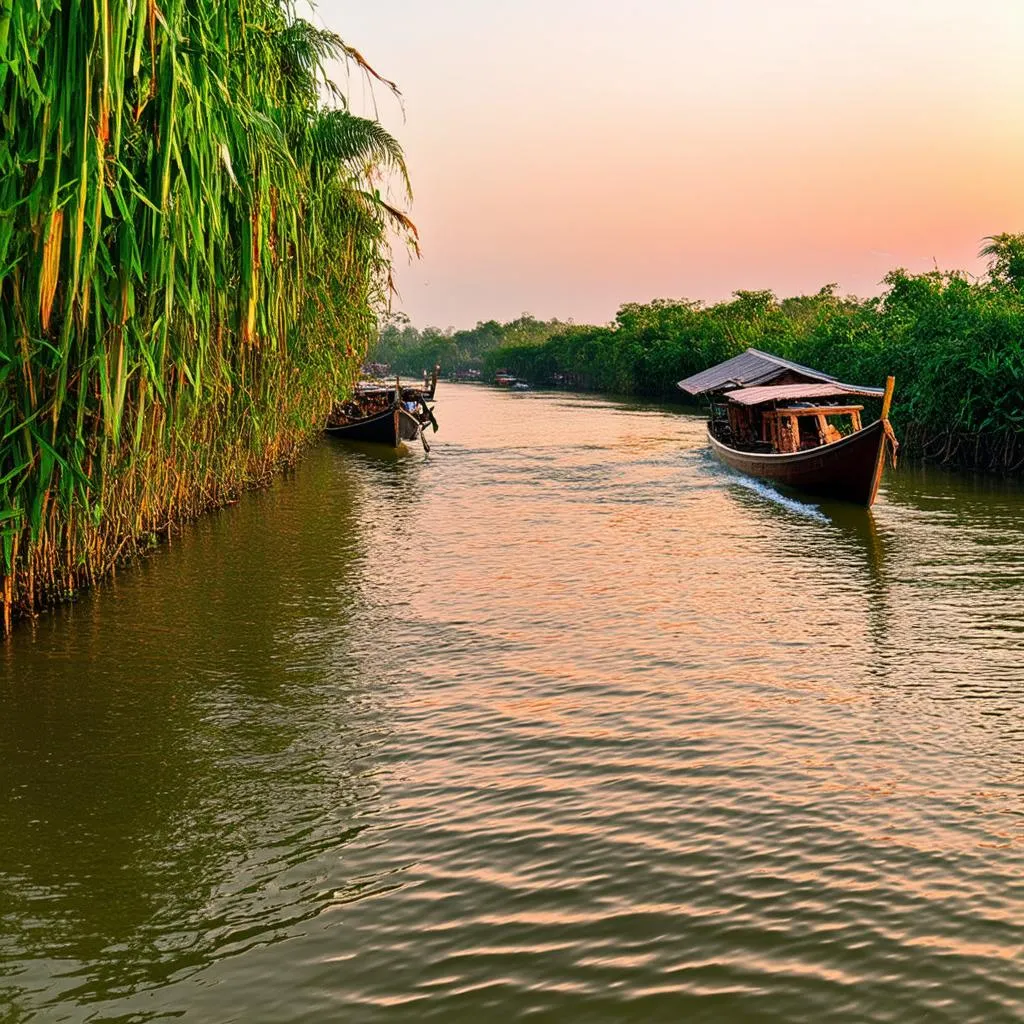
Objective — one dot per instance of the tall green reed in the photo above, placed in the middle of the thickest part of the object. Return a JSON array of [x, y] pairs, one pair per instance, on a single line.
[[193, 254]]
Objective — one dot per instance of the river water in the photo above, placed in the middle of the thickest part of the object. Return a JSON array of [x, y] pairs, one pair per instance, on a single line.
[[563, 720]]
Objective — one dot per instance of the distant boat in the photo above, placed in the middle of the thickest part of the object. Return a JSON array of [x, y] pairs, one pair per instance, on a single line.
[[764, 423], [503, 379], [385, 413]]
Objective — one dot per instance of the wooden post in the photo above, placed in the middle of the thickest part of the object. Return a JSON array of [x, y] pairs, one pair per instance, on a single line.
[[397, 415], [890, 384]]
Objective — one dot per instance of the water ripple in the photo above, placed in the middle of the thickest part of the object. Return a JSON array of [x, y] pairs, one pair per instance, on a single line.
[[564, 720]]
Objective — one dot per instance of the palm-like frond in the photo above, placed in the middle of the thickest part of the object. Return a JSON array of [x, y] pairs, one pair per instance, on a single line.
[[1005, 253], [339, 138], [302, 49]]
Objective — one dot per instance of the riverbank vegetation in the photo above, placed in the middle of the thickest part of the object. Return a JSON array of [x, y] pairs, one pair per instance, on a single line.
[[955, 344], [406, 349], [193, 258]]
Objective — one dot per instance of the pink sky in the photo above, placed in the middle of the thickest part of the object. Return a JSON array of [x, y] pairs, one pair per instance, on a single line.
[[568, 157]]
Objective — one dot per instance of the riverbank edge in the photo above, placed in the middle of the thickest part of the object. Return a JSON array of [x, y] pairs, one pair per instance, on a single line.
[[21, 602]]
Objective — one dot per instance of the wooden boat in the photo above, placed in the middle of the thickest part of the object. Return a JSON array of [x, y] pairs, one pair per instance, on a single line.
[[385, 413], [391, 427], [764, 422]]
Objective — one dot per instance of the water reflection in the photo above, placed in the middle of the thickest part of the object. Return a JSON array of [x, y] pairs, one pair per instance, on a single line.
[[935, 568], [559, 720], [187, 752]]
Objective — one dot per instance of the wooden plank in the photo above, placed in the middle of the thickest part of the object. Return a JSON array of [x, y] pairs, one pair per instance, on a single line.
[[825, 410]]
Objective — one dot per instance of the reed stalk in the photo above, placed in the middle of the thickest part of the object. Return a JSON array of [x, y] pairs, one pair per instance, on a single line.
[[193, 255]]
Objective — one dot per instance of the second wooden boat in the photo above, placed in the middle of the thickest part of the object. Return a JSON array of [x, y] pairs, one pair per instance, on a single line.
[[385, 413], [391, 427]]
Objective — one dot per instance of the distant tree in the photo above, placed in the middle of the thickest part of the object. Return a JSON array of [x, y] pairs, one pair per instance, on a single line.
[[1005, 253]]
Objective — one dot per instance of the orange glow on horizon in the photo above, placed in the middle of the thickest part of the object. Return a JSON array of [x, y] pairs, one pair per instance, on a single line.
[[569, 158]]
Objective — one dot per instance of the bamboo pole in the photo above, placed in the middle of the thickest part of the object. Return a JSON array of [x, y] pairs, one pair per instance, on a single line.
[[890, 384]]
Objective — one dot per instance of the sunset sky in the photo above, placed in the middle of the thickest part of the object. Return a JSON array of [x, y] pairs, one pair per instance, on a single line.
[[570, 156]]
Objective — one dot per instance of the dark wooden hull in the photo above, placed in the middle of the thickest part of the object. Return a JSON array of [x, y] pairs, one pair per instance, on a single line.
[[390, 428], [848, 470]]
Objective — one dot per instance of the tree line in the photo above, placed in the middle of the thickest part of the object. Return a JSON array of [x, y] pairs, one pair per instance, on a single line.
[[955, 344], [410, 350]]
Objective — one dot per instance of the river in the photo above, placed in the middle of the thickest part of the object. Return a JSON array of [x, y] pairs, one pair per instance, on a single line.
[[563, 719]]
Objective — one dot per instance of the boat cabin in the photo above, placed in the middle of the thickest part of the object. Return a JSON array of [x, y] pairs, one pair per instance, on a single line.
[[763, 403], [792, 429], [774, 419], [788, 428]]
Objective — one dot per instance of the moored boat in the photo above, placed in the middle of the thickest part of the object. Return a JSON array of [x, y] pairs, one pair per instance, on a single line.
[[768, 420], [384, 413]]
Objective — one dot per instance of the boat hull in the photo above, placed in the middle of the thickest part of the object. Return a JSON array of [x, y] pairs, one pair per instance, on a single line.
[[391, 428], [847, 470]]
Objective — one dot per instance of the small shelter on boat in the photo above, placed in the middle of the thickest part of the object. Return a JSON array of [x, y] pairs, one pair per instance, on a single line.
[[749, 369]]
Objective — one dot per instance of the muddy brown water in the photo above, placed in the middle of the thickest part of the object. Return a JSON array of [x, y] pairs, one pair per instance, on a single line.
[[564, 720]]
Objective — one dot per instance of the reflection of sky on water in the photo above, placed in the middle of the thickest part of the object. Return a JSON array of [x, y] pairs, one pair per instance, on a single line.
[[558, 718]]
